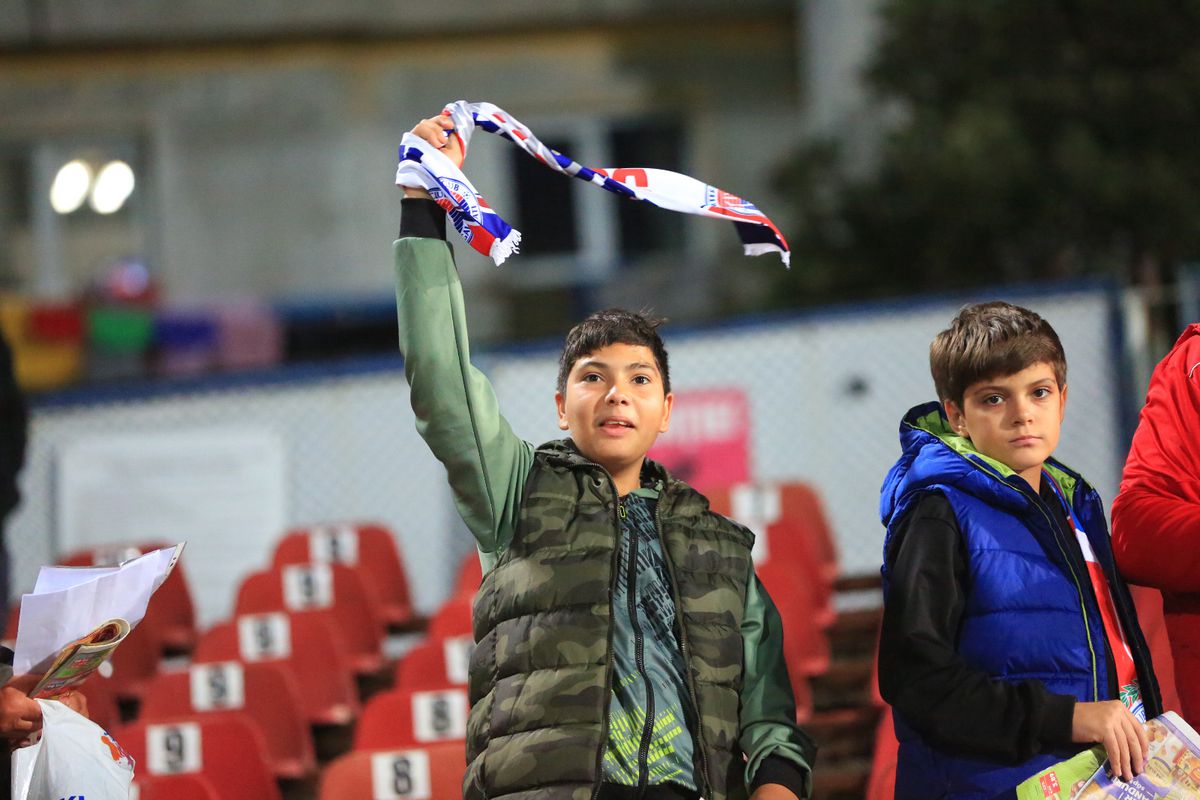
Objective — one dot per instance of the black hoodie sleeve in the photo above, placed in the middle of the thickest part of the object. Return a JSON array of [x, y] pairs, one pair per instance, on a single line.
[[13, 423], [957, 708]]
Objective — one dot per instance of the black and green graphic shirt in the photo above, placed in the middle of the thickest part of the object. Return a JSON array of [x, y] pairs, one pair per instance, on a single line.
[[650, 710]]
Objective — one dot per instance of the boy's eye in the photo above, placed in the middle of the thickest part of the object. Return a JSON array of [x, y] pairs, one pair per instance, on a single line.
[[592, 377], [993, 400], [642, 380], [1041, 392]]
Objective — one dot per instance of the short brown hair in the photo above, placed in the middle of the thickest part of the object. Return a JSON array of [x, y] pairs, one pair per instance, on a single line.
[[986, 340], [613, 326]]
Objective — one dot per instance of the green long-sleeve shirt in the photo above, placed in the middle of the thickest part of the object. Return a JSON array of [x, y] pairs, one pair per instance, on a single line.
[[487, 465]]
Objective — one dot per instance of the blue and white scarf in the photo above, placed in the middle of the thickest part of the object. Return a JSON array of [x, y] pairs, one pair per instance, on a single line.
[[424, 167]]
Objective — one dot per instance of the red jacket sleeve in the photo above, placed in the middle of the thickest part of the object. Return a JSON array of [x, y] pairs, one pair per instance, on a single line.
[[1156, 516]]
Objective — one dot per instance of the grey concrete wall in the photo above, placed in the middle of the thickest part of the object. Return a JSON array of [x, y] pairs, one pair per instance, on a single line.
[[40, 23]]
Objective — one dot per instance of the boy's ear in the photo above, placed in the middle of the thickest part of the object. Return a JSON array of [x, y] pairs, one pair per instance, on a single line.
[[668, 403], [561, 402], [955, 416]]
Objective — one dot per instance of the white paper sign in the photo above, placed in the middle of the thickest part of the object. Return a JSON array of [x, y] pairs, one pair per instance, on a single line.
[[217, 686], [307, 586], [173, 748], [264, 637], [457, 652], [402, 774], [757, 507], [438, 716], [337, 544]]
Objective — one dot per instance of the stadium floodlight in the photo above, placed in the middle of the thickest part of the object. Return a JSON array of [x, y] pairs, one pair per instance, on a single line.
[[112, 188], [70, 187]]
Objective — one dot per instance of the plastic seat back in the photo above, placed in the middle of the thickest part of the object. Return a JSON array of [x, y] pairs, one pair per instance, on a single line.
[[102, 702], [135, 663], [805, 645], [1154, 629], [406, 718], [262, 692], [230, 752], [332, 591], [437, 664], [453, 619], [470, 575], [304, 645], [370, 549], [424, 773], [882, 783], [186, 786], [790, 529]]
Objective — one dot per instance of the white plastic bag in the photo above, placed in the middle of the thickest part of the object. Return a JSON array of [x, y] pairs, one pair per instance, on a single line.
[[73, 757]]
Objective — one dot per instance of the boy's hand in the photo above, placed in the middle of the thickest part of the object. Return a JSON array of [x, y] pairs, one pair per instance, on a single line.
[[19, 715], [439, 132], [1109, 723], [773, 791]]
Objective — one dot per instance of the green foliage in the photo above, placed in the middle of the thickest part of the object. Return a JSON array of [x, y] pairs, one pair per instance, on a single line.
[[1032, 139]]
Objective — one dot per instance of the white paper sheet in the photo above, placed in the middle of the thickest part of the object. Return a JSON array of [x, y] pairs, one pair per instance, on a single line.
[[69, 602]]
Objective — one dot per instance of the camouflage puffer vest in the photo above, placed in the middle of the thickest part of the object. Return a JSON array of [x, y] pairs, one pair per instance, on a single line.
[[541, 671]]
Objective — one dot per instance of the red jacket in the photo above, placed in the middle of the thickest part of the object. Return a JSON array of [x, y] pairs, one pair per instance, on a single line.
[[1156, 516]]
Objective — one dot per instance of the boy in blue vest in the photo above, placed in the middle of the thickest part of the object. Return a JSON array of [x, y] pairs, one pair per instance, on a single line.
[[1009, 641], [624, 646]]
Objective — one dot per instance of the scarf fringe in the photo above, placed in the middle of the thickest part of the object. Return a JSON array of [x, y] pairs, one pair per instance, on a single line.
[[501, 249]]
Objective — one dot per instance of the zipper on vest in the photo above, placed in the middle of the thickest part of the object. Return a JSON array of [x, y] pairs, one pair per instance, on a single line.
[[614, 570], [698, 738], [639, 652], [1059, 536], [1054, 529]]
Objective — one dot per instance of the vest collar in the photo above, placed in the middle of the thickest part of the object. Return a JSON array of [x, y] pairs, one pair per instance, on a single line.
[[933, 453]]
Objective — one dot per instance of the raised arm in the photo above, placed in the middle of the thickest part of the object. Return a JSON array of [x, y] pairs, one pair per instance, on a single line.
[[457, 412]]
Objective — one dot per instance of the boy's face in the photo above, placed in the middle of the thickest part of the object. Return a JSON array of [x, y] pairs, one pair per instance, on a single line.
[[1014, 419], [615, 407]]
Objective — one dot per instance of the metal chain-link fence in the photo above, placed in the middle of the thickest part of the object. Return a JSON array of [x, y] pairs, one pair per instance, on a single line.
[[814, 398]]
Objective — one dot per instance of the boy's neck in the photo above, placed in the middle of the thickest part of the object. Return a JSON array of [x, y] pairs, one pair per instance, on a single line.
[[1033, 476], [628, 479]]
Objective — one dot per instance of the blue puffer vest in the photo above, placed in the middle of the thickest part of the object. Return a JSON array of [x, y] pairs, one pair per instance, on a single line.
[[1031, 612]]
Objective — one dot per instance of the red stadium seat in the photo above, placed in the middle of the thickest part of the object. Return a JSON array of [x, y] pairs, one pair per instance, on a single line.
[[791, 528], [171, 613], [369, 549], [407, 718], [264, 693], [470, 575], [452, 619], [882, 783], [102, 702], [332, 591], [305, 645], [437, 664], [805, 644], [134, 663], [230, 752], [433, 771], [186, 786], [1150, 617]]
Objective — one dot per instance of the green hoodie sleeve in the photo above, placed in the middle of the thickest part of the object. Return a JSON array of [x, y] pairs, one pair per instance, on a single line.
[[457, 412], [768, 708]]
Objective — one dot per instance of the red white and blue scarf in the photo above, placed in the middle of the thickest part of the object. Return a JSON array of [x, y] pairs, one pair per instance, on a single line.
[[424, 167]]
